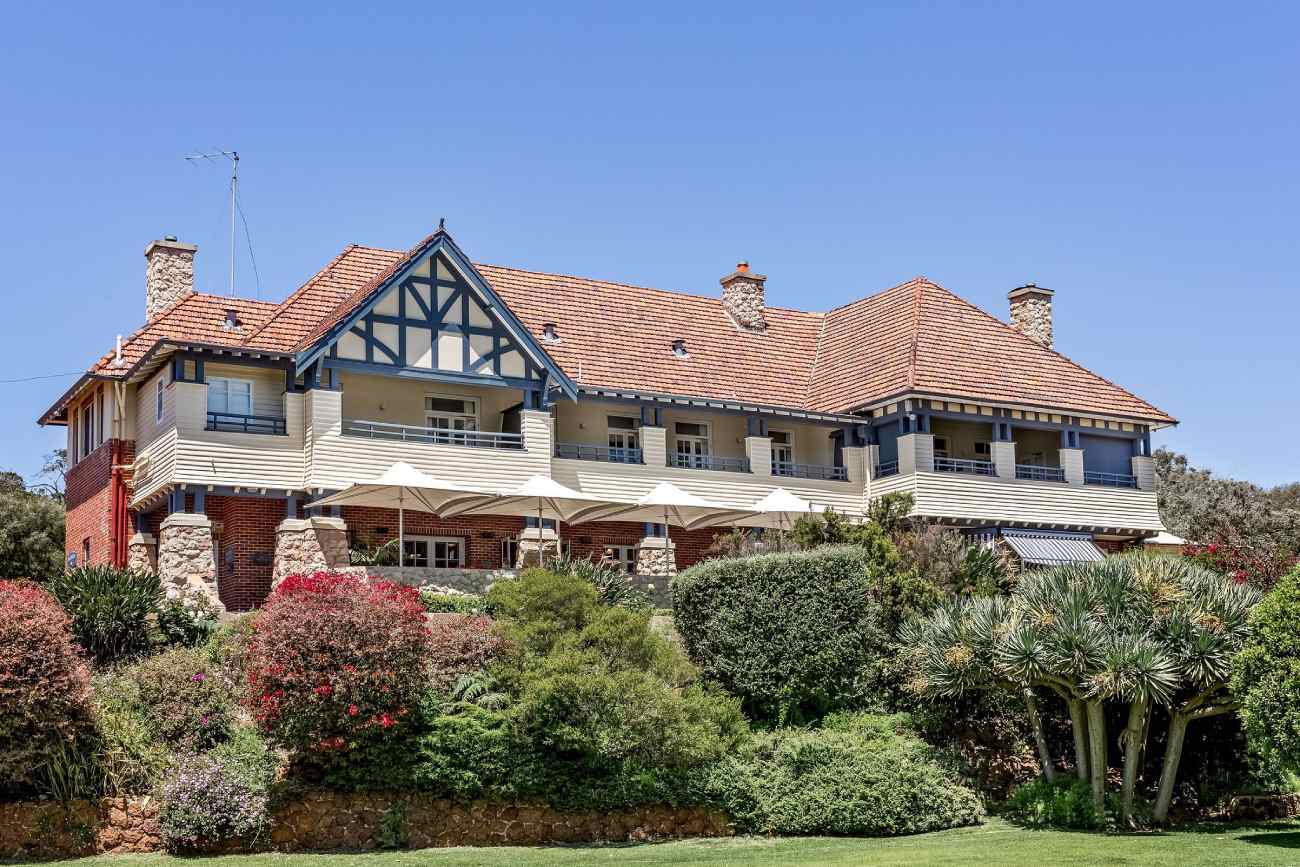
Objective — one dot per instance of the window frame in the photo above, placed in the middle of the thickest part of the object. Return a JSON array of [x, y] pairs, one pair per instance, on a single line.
[[430, 414], [707, 438], [788, 445], [627, 563], [227, 380], [87, 429], [629, 437], [430, 557], [159, 384]]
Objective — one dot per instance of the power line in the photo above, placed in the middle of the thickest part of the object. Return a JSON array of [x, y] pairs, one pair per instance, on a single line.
[[45, 376]]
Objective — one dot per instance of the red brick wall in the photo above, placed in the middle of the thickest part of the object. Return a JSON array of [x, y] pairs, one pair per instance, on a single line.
[[88, 503], [245, 547]]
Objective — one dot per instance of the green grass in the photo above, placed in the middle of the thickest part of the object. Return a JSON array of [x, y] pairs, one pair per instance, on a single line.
[[992, 844]]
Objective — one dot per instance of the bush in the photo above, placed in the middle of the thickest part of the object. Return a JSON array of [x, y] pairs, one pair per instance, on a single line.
[[45, 697], [131, 759], [112, 609], [226, 648], [437, 602], [1066, 803], [460, 644], [335, 666], [613, 585], [858, 775], [1266, 675], [540, 607], [208, 799], [181, 702], [794, 635], [186, 621]]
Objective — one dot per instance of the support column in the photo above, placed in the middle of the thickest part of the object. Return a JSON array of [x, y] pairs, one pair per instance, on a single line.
[[536, 546], [142, 553], [1004, 459], [1144, 470], [307, 545], [858, 461], [1072, 465], [654, 446], [186, 562], [916, 453], [759, 452], [656, 556]]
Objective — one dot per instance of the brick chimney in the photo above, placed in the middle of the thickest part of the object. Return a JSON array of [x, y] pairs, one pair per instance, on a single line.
[[1031, 312], [742, 298], [168, 274]]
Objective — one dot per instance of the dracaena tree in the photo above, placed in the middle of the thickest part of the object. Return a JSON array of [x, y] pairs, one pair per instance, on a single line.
[[1141, 629]]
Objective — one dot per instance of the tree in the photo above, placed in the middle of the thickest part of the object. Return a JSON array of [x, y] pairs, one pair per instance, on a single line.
[[1140, 629], [1266, 675], [31, 535]]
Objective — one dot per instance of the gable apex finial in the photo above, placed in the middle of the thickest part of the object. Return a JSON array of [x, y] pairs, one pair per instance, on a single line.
[[442, 224]]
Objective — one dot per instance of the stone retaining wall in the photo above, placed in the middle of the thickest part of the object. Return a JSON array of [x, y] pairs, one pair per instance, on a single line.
[[327, 821]]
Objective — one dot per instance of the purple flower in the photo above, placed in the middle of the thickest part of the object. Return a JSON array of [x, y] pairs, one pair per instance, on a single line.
[[199, 678]]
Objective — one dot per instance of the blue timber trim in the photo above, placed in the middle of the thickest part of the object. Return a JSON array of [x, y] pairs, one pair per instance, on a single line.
[[440, 242], [453, 376]]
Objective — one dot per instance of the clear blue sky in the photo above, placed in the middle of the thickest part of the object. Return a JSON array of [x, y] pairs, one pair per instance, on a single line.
[[1139, 158]]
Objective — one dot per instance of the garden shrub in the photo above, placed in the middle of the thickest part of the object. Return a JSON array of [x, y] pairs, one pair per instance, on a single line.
[[207, 800], [226, 647], [131, 757], [1266, 676], [188, 620], [181, 702], [613, 584], [1065, 803], [437, 602], [460, 644], [45, 695], [113, 610], [794, 635], [335, 666], [539, 608], [857, 775]]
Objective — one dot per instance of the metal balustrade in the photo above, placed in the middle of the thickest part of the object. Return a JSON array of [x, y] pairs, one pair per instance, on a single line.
[[1109, 480], [810, 471], [885, 468], [407, 433], [961, 465], [709, 462], [1035, 473], [253, 424], [612, 454]]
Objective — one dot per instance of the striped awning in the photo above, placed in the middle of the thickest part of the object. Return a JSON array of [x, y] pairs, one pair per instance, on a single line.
[[1042, 548]]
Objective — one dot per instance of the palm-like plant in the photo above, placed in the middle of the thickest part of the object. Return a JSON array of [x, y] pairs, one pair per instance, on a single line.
[[1143, 629]]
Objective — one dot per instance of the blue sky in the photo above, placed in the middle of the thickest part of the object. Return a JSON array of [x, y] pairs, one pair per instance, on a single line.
[[1140, 159]]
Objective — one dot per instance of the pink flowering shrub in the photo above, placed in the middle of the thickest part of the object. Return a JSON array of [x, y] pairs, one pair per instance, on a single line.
[[45, 699], [461, 643], [336, 664], [1259, 567]]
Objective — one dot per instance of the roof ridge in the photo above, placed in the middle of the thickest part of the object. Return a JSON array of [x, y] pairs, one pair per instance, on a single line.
[[297, 293], [817, 356], [874, 295], [917, 282], [1024, 338]]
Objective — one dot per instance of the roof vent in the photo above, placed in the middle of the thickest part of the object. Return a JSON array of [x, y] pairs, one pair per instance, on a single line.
[[549, 334], [232, 322], [679, 348]]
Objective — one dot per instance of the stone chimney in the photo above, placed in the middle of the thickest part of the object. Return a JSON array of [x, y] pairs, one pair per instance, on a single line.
[[168, 274], [1031, 312], [742, 297]]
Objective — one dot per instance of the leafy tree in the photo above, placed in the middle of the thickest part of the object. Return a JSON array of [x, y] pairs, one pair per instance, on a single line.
[[31, 535], [53, 476], [1266, 675], [1140, 629]]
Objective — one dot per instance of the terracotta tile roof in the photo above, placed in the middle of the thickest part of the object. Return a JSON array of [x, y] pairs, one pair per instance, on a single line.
[[914, 337]]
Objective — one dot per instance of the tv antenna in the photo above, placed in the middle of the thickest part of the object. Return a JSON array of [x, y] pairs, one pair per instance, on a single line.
[[233, 156]]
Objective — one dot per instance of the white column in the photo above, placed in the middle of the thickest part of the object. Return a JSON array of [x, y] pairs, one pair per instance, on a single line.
[[759, 452], [1144, 469], [538, 430], [654, 446], [855, 462], [1072, 465], [1004, 459], [915, 453]]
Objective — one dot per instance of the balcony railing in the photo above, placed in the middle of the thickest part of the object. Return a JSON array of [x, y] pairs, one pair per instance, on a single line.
[[961, 465], [810, 471], [251, 424], [1109, 480], [612, 454], [475, 439], [709, 462], [1035, 473], [885, 468]]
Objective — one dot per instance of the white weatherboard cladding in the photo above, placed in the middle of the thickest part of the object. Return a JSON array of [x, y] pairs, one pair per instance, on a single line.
[[236, 459]]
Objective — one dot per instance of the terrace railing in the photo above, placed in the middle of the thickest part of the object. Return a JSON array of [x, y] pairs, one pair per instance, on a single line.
[[708, 462], [437, 436], [252, 424], [961, 465], [810, 471], [1109, 480], [612, 454], [1035, 473]]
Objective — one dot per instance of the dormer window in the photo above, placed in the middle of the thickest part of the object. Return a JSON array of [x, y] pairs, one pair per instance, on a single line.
[[679, 348], [549, 334], [232, 322]]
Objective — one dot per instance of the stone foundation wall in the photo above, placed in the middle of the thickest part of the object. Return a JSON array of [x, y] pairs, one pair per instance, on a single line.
[[325, 821], [307, 545], [456, 580], [185, 560]]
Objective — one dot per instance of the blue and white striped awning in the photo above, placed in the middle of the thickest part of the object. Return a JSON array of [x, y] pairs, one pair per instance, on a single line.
[[1052, 548]]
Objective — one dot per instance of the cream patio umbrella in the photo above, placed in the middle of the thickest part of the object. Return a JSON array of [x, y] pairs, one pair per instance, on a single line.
[[778, 511], [403, 487], [668, 503]]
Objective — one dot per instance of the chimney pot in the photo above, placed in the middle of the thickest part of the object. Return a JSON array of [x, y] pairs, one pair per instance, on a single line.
[[743, 298], [1031, 312], [168, 275]]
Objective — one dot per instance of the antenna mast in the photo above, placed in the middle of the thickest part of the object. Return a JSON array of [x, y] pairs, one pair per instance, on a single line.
[[233, 156]]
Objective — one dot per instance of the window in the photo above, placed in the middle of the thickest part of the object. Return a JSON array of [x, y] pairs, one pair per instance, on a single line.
[[691, 444], [782, 447], [434, 552], [450, 414], [941, 447], [158, 398], [510, 550], [623, 438], [99, 417], [622, 556], [87, 430], [230, 396], [85, 552], [983, 450]]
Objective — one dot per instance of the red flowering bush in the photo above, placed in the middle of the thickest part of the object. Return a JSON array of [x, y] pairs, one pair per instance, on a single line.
[[1261, 568], [45, 699], [336, 663], [461, 643]]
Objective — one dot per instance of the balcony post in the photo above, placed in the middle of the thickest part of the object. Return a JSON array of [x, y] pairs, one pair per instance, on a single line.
[[538, 429], [759, 451], [1144, 470], [1072, 465], [857, 462], [1004, 459], [654, 446], [915, 453]]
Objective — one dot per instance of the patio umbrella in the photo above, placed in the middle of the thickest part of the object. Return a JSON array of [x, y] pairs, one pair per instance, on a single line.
[[668, 503], [778, 511], [402, 487]]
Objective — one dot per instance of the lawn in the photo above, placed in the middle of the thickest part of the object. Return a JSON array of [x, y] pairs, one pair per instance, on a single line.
[[994, 843]]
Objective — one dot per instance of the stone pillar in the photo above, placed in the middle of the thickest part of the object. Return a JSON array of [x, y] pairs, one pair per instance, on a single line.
[[186, 562], [168, 275], [307, 545], [1004, 459], [915, 453], [1144, 469], [142, 553], [536, 546], [654, 446], [759, 452], [1072, 465], [656, 556]]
